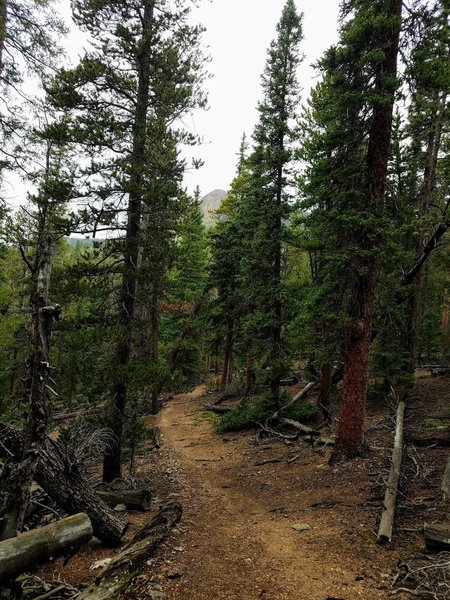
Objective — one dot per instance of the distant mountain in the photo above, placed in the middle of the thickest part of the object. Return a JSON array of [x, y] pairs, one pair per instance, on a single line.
[[210, 203], [80, 242]]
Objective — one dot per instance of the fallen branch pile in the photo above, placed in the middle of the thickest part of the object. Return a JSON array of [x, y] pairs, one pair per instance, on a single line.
[[424, 578]]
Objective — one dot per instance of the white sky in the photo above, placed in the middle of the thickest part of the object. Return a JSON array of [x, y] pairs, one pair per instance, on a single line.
[[238, 34]]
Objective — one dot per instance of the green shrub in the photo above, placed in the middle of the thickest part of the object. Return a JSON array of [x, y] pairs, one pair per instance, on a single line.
[[257, 410], [303, 412]]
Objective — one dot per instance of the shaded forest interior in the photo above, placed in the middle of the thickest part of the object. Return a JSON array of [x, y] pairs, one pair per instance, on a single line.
[[310, 310]]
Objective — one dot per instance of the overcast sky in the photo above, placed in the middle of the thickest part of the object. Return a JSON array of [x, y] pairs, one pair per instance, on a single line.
[[238, 35]]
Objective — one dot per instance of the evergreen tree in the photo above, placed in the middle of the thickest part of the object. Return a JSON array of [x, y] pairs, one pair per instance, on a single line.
[[143, 74], [349, 151], [428, 81], [225, 305], [266, 202]]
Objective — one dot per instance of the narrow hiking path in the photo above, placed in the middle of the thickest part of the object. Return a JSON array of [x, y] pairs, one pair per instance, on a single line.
[[241, 500]]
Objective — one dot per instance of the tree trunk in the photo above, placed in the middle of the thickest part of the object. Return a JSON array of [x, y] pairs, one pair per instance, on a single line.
[[3, 18], [154, 336], [275, 353], [132, 499], [445, 486], [437, 537], [325, 385], [66, 485], [444, 321], [250, 377], [227, 356], [38, 545], [425, 201], [354, 390], [349, 438], [127, 301], [112, 582]]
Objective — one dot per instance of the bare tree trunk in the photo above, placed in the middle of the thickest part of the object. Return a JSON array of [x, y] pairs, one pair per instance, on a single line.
[[354, 390], [64, 483], [112, 582], [38, 545], [127, 301]]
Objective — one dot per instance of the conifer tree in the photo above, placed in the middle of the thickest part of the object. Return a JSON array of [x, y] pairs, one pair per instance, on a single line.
[[349, 151], [144, 72], [428, 81], [224, 270], [267, 199]]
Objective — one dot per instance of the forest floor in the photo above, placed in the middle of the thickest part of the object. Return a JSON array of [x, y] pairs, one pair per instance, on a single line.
[[263, 519]]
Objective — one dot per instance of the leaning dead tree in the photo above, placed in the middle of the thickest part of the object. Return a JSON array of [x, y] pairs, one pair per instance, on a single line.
[[64, 483], [390, 498]]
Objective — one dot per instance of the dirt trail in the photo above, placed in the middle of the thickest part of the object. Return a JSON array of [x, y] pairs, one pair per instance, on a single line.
[[241, 500]]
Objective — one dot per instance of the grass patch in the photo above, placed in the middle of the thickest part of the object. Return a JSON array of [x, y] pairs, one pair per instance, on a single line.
[[434, 424], [256, 410], [206, 415]]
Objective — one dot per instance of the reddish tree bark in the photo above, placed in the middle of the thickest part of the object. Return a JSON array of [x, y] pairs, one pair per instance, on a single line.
[[350, 434]]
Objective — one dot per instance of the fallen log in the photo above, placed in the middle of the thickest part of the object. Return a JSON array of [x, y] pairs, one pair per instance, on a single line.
[[132, 499], [38, 545], [117, 576], [437, 537], [390, 497], [301, 394], [304, 429], [445, 486], [64, 483]]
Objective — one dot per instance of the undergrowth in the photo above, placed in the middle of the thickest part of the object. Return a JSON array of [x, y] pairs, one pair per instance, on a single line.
[[256, 410]]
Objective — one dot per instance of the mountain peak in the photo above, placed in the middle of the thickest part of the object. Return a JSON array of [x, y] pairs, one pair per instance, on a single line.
[[210, 203]]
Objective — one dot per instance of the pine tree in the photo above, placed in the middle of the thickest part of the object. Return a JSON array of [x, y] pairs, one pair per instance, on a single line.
[[428, 81], [224, 310], [266, 200], [349, 151], [145, 71]]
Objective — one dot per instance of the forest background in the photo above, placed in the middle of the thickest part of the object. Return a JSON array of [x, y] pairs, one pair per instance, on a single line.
[[327, 260]]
